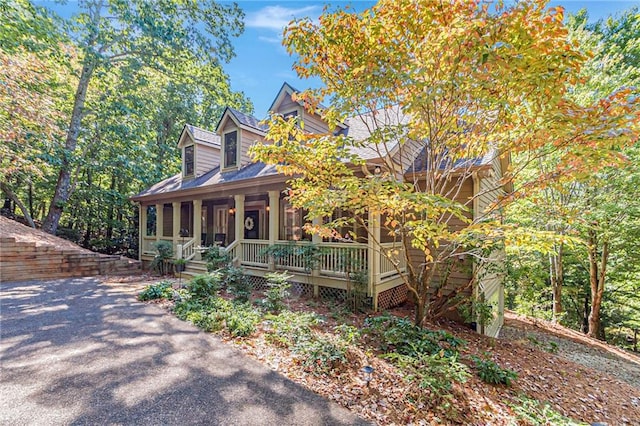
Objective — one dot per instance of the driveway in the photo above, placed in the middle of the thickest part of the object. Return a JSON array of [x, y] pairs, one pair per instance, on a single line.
[[78, 351]]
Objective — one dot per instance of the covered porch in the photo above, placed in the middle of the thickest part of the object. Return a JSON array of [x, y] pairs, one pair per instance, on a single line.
[[263, 233]]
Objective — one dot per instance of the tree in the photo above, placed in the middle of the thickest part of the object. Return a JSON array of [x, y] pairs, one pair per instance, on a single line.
[[35, 82], [139, 34], [597, 209], [438, 86]]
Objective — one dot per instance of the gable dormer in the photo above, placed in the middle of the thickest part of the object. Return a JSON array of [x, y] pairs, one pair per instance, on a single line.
[[237, 132], [200, 151], [285, 105]]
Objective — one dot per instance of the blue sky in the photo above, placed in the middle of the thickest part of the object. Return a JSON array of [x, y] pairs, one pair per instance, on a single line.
[[261, 64]]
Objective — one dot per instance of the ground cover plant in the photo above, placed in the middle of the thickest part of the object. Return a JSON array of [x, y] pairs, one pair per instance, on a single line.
[[440, 374]]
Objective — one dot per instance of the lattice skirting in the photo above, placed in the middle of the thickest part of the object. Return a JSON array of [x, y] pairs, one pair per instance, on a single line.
[[258, 283], [392, 297]]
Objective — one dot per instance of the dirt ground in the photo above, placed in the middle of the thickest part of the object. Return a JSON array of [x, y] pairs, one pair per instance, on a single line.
[[11, 228]]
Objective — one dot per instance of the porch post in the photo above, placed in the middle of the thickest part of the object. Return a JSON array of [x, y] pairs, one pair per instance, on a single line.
[[176, 229], [159, 221], [315, 240], [274, 221], [142, 228], [239, 201], [374, 254], [197, 225]]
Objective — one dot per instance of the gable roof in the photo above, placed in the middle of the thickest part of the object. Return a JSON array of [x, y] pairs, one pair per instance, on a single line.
[[200, 135], [215, 177], [243, 120]]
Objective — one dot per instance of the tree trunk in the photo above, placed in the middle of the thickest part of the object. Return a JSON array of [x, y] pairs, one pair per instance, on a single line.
[[63, 186], [585, 315], [12, 196], [556, 273], [597, 274]]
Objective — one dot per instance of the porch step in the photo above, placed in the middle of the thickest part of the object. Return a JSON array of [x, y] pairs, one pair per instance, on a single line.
[[194, 267]]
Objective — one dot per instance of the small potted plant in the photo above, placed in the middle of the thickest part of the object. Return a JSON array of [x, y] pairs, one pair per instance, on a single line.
[[179, 264]]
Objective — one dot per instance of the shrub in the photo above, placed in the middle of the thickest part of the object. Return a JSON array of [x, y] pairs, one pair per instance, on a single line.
[[277, 292], [241, 321], [492, 373], [237, 284], [287, 327], [160, 262], [435, 373], [320, 354], [402, 336], [205, 285], [216, 258], [160, 290]]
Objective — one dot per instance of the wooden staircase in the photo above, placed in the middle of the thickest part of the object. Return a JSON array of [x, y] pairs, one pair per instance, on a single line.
[[21, 261], [193, 268]]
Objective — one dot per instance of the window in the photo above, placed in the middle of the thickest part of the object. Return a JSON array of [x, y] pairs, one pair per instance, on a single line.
[[151, 221], [290, 114], [230, 149], [188, 160], [292, 223]]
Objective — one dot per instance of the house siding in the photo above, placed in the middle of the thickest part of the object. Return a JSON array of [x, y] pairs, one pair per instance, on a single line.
[[207, 158], [491, 280]]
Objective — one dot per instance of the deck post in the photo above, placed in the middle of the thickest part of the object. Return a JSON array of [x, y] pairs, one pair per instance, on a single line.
[[315, 272], [142, 228], [176, 226], [274, 225], [373, 254], [239, 222], [197, 225], [159, 221]]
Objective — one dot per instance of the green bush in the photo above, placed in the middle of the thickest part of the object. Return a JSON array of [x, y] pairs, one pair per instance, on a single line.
[[205, 285], [402, 336], [492, 373], [241, 320], [237, 284], [277, 292], [216, 258], [530, 411], [161, 261], [435, 372], [160, 290], [320, 354], [287, 327]]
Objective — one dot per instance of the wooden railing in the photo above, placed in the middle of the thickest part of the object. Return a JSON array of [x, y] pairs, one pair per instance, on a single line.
[[337, 259], [147, 245], [188, 250], [253, 253], [392, 260], [232, 250]]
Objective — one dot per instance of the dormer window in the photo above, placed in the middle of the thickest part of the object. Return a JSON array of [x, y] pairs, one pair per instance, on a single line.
[[188, 160], [231, 149]]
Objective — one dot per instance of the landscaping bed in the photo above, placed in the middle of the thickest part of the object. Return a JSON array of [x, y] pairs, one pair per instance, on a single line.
[[444, 374]]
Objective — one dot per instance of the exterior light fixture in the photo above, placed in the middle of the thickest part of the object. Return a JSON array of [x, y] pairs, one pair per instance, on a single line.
[[267, 208], [377, 170], [368, 373], [232, 211]]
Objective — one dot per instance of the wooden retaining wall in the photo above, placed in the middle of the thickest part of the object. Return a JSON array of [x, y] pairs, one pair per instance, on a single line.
[[21, 261]]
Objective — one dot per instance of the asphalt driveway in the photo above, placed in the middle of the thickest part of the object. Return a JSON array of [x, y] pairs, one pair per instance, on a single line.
[[78, 351]]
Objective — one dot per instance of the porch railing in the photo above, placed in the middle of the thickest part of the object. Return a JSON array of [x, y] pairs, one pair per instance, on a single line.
[[253, 253], [188, 249], [392, 260], [338, 259]]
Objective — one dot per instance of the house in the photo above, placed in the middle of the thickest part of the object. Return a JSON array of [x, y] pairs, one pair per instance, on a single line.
[[222, 197]]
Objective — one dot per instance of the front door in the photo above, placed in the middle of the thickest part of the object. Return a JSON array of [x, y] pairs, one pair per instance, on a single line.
[[252, 224]]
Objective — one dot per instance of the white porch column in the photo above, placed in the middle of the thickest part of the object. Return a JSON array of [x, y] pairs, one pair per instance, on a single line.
[[315, 240], [176, 229], [142, 228], [274, 215], [274, 222], [374, 254], [197, 225], [239, 223], [159, 221]]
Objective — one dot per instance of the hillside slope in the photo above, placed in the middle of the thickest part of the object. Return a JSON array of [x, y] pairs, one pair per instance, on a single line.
[[27, 253]]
